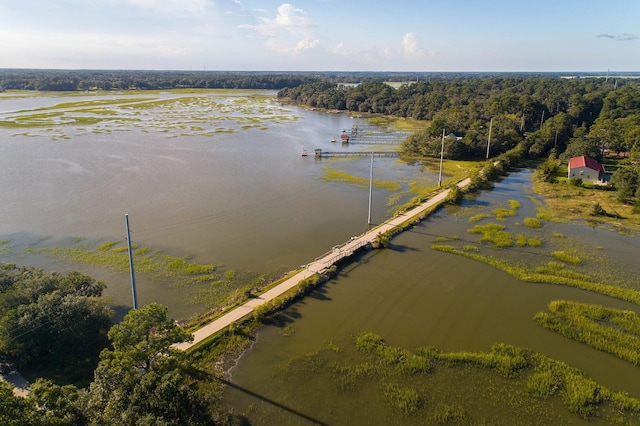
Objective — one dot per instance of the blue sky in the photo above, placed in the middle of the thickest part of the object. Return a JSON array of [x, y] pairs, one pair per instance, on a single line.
[[323, 35]]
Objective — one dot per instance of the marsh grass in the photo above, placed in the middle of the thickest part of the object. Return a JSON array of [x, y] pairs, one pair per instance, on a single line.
[[111, 256], [341, 176], [565, 257], [501, 213], [607, 329], [408, 400], [493, 233], [157, 114], [532, 222], [514, 204], [549, 276], [622, 218], [441, 239], [506, 380], [478, 217], [5, 248]]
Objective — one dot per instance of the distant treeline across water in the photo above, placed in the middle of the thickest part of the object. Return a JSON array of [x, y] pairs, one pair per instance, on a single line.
[[74, 80]]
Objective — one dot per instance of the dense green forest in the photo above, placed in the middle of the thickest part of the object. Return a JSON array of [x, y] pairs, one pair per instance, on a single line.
[[129, 374], [547, 115]]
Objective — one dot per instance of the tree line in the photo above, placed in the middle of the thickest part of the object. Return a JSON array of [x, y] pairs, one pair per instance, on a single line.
[[83, 80], [550, 116]]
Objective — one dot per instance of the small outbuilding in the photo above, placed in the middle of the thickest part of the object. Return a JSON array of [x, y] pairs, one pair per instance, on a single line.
[[587, 169]]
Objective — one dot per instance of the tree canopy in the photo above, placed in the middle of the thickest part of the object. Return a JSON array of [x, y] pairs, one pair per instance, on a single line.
[[143, 380], [52, 321]]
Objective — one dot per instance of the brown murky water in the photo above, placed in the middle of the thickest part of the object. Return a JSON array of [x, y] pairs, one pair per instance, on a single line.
[[216, 176], [416, 297], [226, 184]]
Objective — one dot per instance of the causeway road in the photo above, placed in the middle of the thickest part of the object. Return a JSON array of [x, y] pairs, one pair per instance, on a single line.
[[321, 264]]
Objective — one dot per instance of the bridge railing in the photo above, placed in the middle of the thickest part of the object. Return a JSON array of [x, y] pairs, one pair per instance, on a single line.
[[338, 252]]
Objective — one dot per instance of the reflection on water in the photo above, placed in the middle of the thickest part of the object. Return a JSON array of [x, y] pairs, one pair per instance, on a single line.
[[416, 297]]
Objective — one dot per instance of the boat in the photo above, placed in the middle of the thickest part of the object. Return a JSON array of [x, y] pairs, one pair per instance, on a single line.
[[304, 152]]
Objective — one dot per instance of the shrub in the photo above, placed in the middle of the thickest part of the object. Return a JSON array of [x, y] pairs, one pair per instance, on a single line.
[[597, 210], [575, 181], [454, 196]]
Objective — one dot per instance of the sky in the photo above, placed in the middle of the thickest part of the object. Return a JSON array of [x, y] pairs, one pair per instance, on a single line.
[[322, 35]]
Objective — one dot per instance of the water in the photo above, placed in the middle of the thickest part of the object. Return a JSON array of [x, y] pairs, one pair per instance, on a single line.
[[414, 297], [218, 177]]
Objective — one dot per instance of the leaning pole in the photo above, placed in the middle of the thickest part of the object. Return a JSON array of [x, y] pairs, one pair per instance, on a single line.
[[133, 275]]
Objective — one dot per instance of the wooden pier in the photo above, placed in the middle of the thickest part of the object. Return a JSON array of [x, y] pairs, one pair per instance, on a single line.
[[357, 153], [372, 135]]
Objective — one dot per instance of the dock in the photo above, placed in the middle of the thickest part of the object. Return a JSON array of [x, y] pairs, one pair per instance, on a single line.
[[357, 153], [372, 135]]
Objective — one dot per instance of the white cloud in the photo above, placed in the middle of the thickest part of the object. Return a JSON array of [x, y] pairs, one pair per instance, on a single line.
[[291, 31], [290, 17], [172, 7], [306, 44], [411, 46]]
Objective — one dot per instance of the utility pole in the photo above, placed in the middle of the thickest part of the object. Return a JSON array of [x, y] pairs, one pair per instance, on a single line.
[[370, 189], [441, 157], [489, 140], [133, 277]]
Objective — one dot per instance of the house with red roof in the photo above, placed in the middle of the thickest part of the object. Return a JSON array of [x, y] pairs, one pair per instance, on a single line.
[[587, 169]]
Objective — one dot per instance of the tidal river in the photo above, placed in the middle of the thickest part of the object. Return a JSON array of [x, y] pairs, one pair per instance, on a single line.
[[414, 297], [215, 177]]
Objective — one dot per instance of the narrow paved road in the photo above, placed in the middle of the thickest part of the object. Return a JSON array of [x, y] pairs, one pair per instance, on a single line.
[[11, 375], [322, 263]]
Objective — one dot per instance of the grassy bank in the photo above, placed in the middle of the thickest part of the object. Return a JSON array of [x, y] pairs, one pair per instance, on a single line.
[[566, 202], [610, 330], [549, 274], [504, 385]]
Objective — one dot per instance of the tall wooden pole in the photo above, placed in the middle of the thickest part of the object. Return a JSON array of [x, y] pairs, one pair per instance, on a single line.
[[370, 189], [133, 276], [441, 157], [489, 140]]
